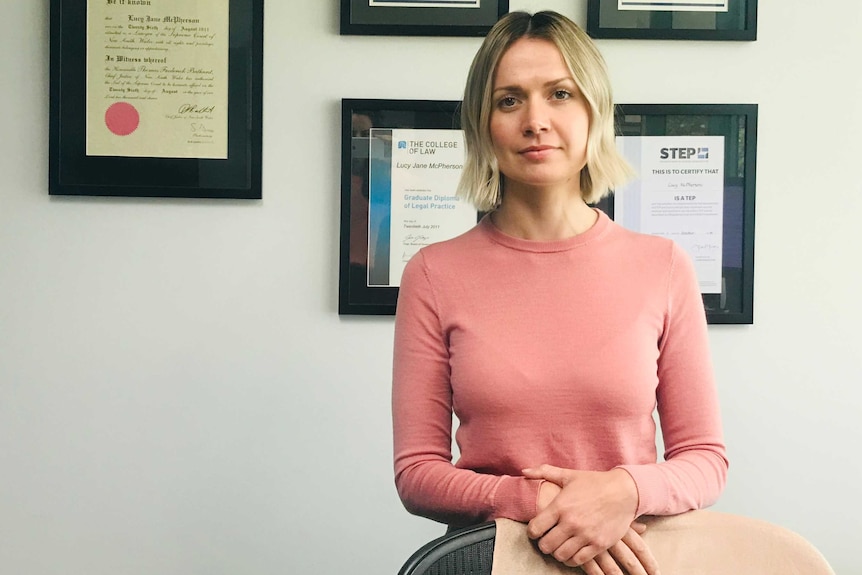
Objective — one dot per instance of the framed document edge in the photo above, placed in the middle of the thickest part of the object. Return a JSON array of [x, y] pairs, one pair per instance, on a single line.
[[74, 173], [419, 21], [748, 32]]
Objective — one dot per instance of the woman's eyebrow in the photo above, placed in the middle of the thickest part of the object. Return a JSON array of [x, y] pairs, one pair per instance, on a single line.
[[517, 88]]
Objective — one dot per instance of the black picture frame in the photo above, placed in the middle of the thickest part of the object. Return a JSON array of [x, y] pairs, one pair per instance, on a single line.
[[358, 116], [738, 124], [72, 172], [606, 20], [361, 18]]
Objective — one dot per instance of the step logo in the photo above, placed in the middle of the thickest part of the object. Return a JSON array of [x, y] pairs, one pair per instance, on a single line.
[[701, 153]]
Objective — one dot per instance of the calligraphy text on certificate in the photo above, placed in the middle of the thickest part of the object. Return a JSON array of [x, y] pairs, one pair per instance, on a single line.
[[157, 78]]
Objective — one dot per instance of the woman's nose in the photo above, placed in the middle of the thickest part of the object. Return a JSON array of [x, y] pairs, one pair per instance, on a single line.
[[535, 117]]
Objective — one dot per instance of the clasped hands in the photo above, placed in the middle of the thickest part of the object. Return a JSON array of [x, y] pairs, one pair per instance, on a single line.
[[586, 520]]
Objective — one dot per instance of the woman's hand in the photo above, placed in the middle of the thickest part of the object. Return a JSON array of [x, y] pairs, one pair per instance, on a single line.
[[583, 515], [630, 555]]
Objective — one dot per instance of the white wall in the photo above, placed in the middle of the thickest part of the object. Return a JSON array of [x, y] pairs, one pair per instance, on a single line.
[[178, 394]]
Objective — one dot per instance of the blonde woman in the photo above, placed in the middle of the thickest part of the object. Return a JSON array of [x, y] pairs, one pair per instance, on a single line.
[[550, 331]]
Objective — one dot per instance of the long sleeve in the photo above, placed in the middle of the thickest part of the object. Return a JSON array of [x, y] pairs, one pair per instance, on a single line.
[[427, 481], [694, 472], [551, 352]]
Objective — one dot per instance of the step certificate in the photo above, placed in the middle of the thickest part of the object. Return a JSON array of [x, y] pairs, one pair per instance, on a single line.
[[678, 194]]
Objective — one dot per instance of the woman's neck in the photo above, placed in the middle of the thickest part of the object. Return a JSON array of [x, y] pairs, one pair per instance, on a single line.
[[543, 216]]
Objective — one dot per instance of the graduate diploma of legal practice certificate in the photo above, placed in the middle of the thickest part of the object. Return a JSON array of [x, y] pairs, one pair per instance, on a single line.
[[416, 172], [679, 194], [157, 78]]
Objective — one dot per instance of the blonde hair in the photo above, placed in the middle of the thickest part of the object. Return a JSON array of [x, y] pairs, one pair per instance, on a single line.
[[481, 181]]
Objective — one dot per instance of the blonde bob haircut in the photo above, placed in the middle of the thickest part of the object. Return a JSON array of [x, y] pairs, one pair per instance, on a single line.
[[481, 181]]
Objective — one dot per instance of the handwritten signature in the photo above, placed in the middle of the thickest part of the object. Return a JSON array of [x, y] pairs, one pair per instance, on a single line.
[[201, 129], [415, 238], [194, 109], [705, 247]]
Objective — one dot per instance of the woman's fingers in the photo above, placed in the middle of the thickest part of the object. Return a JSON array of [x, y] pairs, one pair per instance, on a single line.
[[631, 557], [623, 556], [590, 568], [603, 564], [609, 565], [585, 554], [633, 541], [542, 523], [564, 551], [550, 473], [557, 540]]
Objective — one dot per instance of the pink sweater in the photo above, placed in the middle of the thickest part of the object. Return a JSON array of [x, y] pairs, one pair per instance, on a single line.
[[552, 352]]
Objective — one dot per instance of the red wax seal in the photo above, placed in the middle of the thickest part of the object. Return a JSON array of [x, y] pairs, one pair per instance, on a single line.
[[122, 118]]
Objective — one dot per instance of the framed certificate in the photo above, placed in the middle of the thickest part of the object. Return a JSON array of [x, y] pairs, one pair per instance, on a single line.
[[156, 98], [673, 19], [400, 165], [401, 161], [421, 17], [695, 184]]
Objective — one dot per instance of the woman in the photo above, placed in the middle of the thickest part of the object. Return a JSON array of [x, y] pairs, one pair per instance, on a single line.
[[551, 332]]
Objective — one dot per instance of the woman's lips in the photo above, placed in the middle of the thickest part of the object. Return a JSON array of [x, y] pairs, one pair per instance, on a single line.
[[536, 152]]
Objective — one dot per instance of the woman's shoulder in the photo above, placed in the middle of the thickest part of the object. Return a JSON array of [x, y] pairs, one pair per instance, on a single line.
[[660, 253], [444, 264], [642, 241], [456, 247]]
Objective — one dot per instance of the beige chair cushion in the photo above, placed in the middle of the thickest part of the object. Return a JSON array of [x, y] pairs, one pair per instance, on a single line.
[[694, 543]]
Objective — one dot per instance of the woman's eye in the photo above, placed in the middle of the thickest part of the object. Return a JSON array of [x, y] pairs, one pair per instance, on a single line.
[[507, 102], [562, 94]]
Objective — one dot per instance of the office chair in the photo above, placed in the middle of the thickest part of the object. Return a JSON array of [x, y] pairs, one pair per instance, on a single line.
[[694, 543], [467, 551]]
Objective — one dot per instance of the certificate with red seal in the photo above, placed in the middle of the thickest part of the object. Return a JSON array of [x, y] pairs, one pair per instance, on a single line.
[[156, 98], [157, 78]]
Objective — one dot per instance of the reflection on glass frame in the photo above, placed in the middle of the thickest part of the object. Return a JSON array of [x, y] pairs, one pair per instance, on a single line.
[[150, 170], [671, 20], [737, 124], [421, 17], [361, 291]]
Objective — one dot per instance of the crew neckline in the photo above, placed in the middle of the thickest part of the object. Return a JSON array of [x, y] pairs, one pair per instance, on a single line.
[[601, 225]]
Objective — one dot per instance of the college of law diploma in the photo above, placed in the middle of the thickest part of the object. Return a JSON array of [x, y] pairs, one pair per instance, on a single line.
[[679, 194], [157, 78], [425, 168]]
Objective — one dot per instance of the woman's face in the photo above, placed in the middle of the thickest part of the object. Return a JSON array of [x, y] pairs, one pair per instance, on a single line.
[[540, 120]]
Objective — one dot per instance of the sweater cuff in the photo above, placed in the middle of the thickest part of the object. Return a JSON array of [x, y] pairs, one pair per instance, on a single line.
[[516, 498], [649, 483]]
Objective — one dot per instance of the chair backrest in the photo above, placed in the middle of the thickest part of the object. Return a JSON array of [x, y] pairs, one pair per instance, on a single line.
[[713, 543], [694, 543], [468, 551]]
